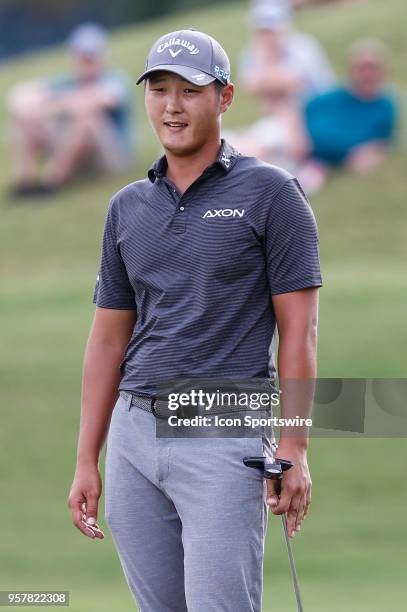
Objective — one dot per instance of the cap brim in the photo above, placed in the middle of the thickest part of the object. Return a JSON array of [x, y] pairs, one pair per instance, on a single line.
[[193, 75]]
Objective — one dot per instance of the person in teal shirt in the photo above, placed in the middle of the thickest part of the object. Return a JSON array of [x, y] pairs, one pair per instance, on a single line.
[[354, 124]]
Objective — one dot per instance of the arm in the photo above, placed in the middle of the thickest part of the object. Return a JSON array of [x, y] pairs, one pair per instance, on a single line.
[[109, 336], [292, 250], [89, 98], [110, 333], [35, 99], [273, 80], [366, 157], [297, 316], [261, 75]]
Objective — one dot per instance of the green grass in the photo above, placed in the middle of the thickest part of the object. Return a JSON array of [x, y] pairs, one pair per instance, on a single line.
[[350, 553]]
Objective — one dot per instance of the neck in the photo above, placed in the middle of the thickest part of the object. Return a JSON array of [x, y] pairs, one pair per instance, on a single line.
[[363, 94], [183, 170]]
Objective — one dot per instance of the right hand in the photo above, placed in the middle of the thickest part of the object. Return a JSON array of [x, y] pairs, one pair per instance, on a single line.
[[83, 501]]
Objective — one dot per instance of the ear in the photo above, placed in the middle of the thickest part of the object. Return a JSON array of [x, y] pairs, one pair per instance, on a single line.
[[226, 97]]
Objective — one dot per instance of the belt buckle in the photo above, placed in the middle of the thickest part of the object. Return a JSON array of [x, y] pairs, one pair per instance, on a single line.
[[153, 407]]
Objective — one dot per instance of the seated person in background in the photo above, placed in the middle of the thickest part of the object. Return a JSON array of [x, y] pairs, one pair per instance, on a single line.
[[281, 70], [282, 65], [72, 122], [353, 125]]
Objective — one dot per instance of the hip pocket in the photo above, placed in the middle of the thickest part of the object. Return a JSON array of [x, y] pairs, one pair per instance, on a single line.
[[260, 438]]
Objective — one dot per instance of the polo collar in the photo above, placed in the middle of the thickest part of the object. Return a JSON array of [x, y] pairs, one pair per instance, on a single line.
[[226, 159], [158, 169], [227, 156]]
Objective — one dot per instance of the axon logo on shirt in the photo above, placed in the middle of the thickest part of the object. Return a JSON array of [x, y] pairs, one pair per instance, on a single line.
[[224, 212]]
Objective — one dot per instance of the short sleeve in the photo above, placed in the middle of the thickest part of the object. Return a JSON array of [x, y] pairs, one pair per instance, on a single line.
[[291, 241], [113, 288]]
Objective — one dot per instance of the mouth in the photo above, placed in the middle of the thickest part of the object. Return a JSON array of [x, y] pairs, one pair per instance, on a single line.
[[175, 126]]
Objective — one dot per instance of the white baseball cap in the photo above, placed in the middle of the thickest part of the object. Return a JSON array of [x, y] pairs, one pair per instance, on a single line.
[[88, 39], [270, 14]]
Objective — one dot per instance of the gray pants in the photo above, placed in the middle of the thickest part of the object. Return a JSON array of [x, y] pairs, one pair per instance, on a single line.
[[187, 517]]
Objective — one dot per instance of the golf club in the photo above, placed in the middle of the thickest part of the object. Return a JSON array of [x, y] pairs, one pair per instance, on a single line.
[[273, 470]]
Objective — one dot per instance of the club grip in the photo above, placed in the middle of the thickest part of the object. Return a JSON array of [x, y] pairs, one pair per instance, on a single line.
[[270, 470]]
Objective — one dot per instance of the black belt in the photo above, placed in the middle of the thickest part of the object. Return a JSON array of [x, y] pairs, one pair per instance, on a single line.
[[145, 402], [155, 406]]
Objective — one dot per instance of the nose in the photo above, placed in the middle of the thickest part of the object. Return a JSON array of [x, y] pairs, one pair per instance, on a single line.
[[173, 103]]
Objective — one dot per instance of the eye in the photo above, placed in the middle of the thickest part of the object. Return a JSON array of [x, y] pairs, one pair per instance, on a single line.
[[160, 89], [190, 91]]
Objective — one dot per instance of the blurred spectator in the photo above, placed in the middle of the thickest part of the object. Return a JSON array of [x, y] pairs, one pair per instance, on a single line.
[[352, 125], [281, 70], [282, 65], [72, 122]]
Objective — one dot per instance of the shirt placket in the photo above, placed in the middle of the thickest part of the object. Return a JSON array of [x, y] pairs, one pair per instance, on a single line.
[[181, 208]]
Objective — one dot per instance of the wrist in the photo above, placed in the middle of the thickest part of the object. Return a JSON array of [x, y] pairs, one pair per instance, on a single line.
[[292, 445], [88, 461]]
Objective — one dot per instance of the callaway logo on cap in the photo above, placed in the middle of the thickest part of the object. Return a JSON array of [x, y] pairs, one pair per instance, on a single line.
[[193, 55]]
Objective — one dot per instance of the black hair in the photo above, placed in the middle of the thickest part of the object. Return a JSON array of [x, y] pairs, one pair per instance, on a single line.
[[218, 86]]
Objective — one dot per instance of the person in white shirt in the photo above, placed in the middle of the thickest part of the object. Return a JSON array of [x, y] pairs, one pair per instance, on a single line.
[[281, 70]]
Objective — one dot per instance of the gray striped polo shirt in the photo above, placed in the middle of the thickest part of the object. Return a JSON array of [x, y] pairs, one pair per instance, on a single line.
[[200, 268]]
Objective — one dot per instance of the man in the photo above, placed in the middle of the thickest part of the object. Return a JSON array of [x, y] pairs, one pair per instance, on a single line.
[[282, 66], [186, 287], [280, 70], [352, 126], [71, 122]]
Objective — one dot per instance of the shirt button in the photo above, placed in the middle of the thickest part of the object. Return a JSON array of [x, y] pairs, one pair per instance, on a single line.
[[182, 208]]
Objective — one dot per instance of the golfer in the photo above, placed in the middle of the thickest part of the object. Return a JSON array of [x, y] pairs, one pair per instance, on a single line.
[[200, 261]]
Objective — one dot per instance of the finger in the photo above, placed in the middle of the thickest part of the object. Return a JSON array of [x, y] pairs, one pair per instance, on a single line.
[[92, 509], [284, 501], [93, 531], [292, 514], [301, 512], [98, 533], [86, 529], [272, 497], [89, 515], [77, 506], [80, 524], [308, 502], [93, 528]]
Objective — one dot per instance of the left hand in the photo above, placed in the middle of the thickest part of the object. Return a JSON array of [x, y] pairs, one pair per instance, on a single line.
[[296, 484]]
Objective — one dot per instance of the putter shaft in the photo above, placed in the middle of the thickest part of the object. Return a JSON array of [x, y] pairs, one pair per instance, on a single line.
[[292, 565]]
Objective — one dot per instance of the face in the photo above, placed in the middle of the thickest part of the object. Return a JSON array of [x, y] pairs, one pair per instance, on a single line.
[[367, 75], [271, 39], [184, 116], [87, 67]]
